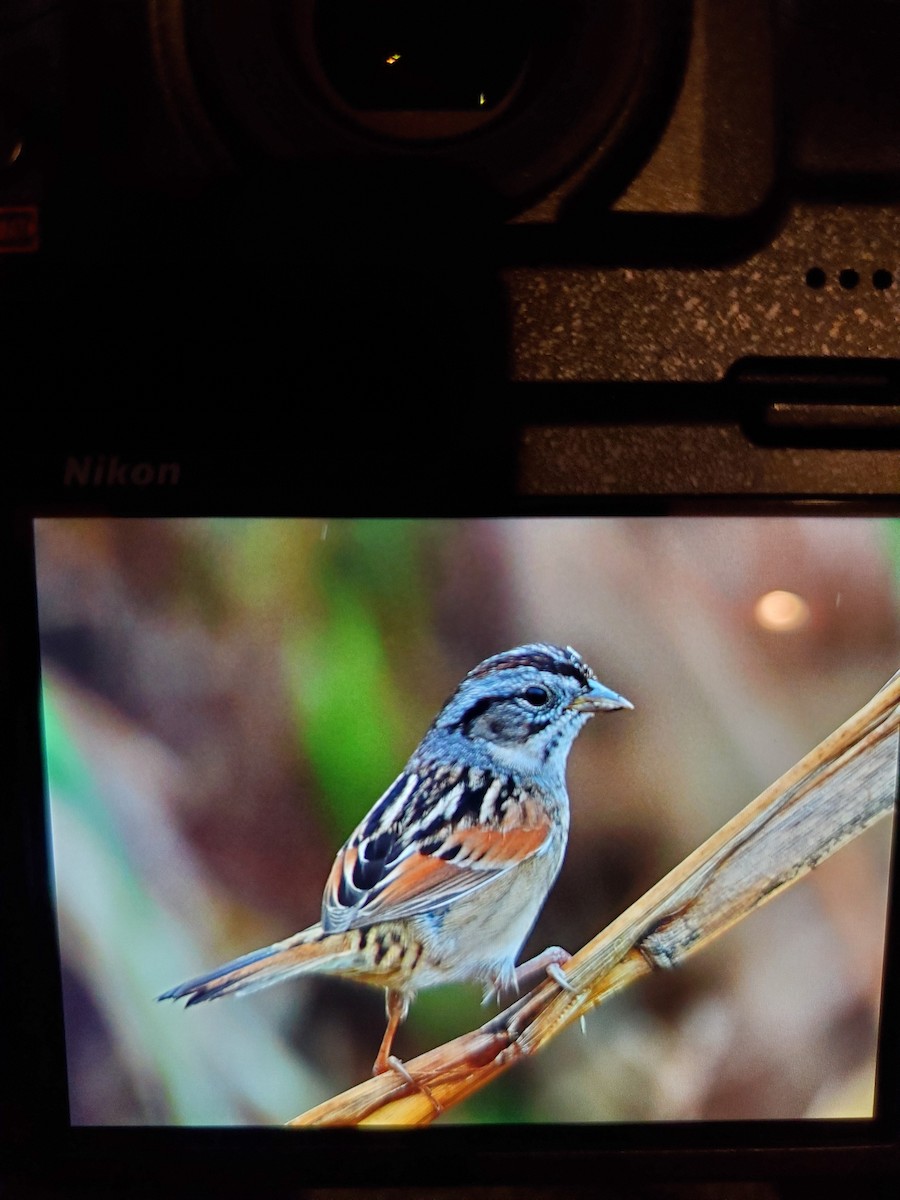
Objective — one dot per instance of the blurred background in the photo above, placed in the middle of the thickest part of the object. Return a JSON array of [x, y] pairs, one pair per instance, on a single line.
[[225, 699]]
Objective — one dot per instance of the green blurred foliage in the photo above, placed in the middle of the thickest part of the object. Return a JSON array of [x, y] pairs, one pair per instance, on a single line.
[[891, 531], [346, 706], [351, 708]]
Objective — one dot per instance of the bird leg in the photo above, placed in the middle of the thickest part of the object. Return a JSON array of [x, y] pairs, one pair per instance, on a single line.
[[397, 1006]]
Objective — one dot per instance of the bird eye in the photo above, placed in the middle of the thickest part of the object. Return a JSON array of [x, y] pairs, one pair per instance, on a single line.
[[536, 696]]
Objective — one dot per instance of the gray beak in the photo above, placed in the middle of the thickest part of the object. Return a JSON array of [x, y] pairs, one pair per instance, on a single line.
[[599, 699]]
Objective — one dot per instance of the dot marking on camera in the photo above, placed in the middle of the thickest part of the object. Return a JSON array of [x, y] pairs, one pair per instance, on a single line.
[[849, 278]]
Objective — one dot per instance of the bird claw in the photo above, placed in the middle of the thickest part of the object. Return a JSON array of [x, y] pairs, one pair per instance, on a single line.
[[394, 1064], [556, 973]]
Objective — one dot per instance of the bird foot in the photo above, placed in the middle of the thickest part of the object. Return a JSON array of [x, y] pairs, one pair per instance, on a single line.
[[392, 1063], [550, 962]]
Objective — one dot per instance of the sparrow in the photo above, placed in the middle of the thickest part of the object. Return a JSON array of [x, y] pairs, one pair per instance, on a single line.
[[444, 878]]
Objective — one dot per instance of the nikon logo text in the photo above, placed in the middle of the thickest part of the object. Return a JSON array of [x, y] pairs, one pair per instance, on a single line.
[[102, 471]]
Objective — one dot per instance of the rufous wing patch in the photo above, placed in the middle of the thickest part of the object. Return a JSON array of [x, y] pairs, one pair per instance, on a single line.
[[421, 882]]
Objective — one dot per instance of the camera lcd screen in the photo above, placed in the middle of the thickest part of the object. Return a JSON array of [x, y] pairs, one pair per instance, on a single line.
[[224, 700]]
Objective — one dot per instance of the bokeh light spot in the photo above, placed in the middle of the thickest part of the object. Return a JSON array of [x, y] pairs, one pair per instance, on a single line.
[[782, 612]]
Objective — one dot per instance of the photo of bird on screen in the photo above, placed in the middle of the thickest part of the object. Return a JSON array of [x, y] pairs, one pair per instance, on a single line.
[[444, 878]]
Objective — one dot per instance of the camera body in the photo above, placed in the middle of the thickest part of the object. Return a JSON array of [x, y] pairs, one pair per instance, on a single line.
[[677, 210]]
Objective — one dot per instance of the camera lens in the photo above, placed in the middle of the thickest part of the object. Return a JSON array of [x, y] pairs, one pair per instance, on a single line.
[[406, 55]]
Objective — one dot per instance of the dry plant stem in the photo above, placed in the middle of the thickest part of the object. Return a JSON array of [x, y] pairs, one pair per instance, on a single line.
[[830, 796]]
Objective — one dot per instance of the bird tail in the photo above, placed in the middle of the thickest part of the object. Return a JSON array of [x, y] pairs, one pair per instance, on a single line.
[[307, 952]]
